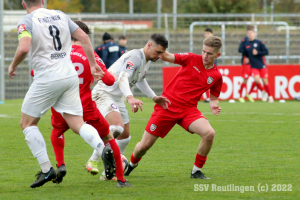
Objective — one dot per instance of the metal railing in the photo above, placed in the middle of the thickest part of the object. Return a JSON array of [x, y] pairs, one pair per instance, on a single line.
[[216, 23]]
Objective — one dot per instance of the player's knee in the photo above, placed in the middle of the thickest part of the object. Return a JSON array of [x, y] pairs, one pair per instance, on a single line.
[[116, 130], [210, 135]]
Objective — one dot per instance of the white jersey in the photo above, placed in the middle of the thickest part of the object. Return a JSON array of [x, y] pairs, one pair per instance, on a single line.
[[49, 54], [134, 63]]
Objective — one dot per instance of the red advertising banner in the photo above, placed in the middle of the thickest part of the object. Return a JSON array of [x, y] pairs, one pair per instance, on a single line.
[[284, 81]]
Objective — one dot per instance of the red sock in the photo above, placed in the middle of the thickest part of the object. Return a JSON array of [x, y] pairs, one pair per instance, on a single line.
[[134, 160], [243, 85], [267, 88], [117, 156], [252, 87], [260, 87], [200, 160], [58, 143]]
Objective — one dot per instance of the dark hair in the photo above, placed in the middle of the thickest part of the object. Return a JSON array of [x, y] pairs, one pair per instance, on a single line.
[[250, 28], [30, 3], [83, 27], [160, 40], [122, 37], [208, 30]]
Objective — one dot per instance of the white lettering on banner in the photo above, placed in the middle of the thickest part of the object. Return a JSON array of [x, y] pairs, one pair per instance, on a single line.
[[237, 81], [281, 83], [228, 92], [292, 83]]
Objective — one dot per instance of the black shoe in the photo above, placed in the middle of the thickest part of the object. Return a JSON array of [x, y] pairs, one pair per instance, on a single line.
[[109, 162], [123, 184], [60, 173], [43, 178], [129, 169], [198, 174]]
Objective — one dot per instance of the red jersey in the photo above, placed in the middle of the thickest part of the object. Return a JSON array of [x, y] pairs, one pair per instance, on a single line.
[[82, 66], [192, 80]]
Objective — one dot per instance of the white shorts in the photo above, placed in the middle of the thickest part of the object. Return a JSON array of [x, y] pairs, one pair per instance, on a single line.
[[62, 95], [107, 103]]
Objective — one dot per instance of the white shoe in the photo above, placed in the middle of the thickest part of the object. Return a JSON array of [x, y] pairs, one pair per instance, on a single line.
[[271, 100], [264, 96]]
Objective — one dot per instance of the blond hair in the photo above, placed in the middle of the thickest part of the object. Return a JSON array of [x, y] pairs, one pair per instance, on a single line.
[[213, 41]]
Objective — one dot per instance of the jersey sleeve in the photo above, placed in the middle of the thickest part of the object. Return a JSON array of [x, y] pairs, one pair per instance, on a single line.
[[131, 63], [25, 24], [262, 51], [183, 58], [108, 78], [216, 88]]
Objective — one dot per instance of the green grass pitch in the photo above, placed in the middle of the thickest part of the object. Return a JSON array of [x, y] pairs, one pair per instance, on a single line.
[[256, 144]]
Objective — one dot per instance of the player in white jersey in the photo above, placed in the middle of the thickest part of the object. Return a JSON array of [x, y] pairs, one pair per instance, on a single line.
[[131, 69], [46, 36]]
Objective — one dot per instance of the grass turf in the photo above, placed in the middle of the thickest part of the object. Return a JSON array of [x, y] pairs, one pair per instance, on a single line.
[[255, 143]]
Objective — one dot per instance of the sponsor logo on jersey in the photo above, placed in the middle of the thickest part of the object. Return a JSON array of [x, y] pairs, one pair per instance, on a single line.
[[21, 28], [129, 65], [255, 45], [210, 80], [248, 46], [153, 127], [114, 106], [101, 61], [196, 69]]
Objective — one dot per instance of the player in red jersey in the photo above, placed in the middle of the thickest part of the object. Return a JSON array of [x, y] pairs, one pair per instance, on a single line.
[[91, 114], [197, 74]]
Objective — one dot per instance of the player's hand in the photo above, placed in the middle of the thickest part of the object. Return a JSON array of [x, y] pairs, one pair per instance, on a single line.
[[97, 72], [11, 72], [246, 60], [135, 103], [215, 109], [162, 101], [254, 52]]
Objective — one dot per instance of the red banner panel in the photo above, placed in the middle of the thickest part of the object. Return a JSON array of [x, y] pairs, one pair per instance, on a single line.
[[284, 81]]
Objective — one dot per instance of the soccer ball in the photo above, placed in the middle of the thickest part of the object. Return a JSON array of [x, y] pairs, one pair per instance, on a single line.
[[124, 162]]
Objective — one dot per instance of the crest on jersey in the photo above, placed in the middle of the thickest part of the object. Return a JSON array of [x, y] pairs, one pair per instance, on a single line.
[[129, 65], [255, 45], [21, 28], [153, 127], [101, 61], [210, 80]]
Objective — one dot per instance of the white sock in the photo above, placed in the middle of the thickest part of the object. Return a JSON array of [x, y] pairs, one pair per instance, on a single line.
[[133, 165], [95, 156], [91, 136], [123, 144], [195, 168], [37, 145]]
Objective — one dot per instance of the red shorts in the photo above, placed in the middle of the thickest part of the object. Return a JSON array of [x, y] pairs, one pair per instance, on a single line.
[[246, 71], [162, 121], [263, 73], [60, 125]]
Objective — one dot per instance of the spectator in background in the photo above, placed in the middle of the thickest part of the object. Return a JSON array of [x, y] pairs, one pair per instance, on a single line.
[[208, 32], [109, 51], [246, 70], [122, 45], [256, 50]]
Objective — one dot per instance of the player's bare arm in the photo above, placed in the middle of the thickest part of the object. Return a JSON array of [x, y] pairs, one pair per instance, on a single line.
[[88, 49], [21, 53], [162, 101], [169, 57], [213, 104], [124, 87]]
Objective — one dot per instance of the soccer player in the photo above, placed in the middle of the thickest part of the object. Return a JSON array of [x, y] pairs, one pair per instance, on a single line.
[[256, 50], [131, 70], [246, 70], [46, 36], [91, 115], [208, 32], [197, 74]]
